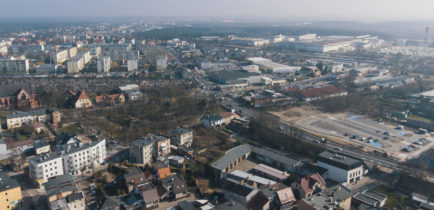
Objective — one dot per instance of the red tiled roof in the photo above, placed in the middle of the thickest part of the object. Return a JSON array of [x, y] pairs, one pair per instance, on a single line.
[[322, 91], [285, 195], [226, 114], [82, 95], [307, 183]]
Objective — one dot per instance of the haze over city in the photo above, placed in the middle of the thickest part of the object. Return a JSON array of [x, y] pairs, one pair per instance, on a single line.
[[348, 10], [217, 105]]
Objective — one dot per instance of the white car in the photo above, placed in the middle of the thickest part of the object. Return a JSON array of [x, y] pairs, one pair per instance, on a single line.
[[338, 148]]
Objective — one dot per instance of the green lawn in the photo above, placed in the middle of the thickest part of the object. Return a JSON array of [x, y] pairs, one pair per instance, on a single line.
[[69, 129]]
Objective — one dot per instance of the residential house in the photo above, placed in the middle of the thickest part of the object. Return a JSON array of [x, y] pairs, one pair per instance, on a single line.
[[149, 194], [336, 197], [238, 191], [370, 198], [176, 161], [259, 202], [59, 187], [20, 146], [41, 146], [285, 197], [135, 177], [117, 98], [17, 96], [10, 192], [181, 137], [161, 144], [175, 187], [231, 205], [161, 169], [74, 201], [212, 121], [227, 117], [79, 99], [308, 185], [18, 118]]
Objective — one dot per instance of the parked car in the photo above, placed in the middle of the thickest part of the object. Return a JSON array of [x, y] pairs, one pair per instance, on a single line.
[[338, 148]]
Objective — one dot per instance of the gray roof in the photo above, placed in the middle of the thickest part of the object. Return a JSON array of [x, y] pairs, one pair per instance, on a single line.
[[370, 197], [6, 182], [236, 152], [339, 160], [231, 155], [74, 196], [231, 205], [339, 193], [213, 117], [272, 154], [179, 131], [236, 187], [36, 112], [12, 89], [46, 157], [59, 184]]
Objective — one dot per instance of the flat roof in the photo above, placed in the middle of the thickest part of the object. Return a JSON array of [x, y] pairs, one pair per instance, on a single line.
[[253, 178], [271, 171], [339, 160], [6, 182]]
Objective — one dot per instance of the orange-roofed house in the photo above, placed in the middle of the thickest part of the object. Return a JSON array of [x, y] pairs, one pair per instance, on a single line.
[[99, 99], [163, 173], [116, 98], [79, 99]]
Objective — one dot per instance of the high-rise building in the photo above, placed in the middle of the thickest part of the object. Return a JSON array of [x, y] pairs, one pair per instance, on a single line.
[[75, 65], [104, 64], [132, 65], [14, 64], [60, 56]]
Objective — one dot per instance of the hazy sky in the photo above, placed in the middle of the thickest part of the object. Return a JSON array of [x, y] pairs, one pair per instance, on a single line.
[[361, 10]]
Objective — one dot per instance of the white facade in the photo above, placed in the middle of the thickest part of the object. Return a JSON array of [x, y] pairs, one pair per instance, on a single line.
[[84, 158], [86, 57], [71, 162], [12, 64], [17, 119], [72, 52], [3, 50], [75, 65], [132, 65], [43, 167], [341, 175], [104, 64], [60, 57], [95, 51]]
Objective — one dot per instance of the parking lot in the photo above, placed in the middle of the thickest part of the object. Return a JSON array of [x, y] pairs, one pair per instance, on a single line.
[[389, 138]]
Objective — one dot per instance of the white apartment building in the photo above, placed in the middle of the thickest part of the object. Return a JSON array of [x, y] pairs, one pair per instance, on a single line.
[[3, 50], [86, 57], [60, 56], [72, 52], [104, 64], [341, 168], [18, 118], [13, 64], [132, 65], [84, 158], [141, 151], [43, 167], [71, 160], [75, 65], [181, 137], [95, 51]]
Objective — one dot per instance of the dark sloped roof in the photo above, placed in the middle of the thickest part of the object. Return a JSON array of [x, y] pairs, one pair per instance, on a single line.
[[231, 155], [12, 89], [6, 182], [236, 187]]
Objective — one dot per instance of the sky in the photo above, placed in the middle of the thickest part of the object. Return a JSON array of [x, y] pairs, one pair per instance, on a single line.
[[346, 10]]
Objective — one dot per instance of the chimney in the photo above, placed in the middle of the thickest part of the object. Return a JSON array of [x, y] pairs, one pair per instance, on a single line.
[[242, 181], [255, 185], [233, 203]]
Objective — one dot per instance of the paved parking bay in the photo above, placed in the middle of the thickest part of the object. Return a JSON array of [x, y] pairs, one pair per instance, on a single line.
[[364, 131]]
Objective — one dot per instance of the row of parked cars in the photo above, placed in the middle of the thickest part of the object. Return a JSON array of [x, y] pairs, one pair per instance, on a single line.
[[410, 147]]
